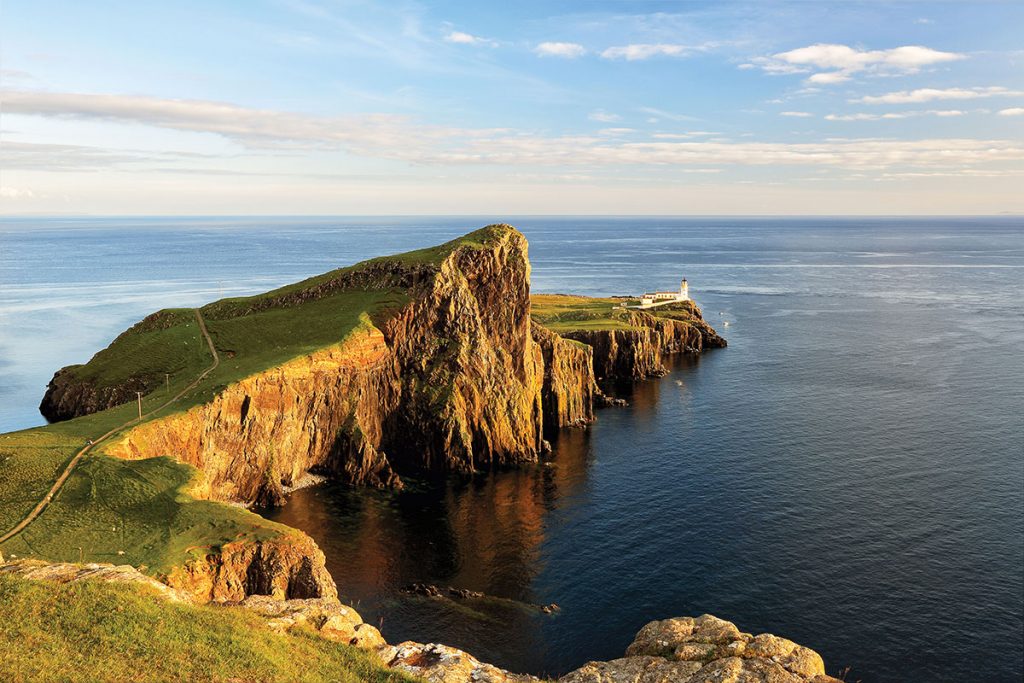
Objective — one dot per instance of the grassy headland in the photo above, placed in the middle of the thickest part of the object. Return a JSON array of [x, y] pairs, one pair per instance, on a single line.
[[138, 512]]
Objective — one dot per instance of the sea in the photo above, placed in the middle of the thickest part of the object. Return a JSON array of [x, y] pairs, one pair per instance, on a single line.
[[848, 473]]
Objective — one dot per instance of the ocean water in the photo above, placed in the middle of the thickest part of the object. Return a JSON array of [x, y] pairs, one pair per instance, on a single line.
[[848, 473]]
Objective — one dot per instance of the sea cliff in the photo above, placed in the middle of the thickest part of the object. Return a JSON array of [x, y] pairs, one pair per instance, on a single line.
[[455, 377]]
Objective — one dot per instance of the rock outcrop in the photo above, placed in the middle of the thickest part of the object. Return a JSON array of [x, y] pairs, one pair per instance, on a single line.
[[638, 351], [569, 391], [706, 649], [67, 572], [284, 568]]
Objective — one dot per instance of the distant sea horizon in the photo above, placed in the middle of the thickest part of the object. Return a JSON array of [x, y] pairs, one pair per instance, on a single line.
[[848, 473]]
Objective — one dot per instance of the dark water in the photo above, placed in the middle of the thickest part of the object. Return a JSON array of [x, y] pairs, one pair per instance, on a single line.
[[849, 473]]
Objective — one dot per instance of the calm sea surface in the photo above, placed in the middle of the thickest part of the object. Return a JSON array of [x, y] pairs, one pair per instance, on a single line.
[[849, 473]]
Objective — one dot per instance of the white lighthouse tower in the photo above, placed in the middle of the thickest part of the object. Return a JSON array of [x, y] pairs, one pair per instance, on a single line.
[[684, 291]]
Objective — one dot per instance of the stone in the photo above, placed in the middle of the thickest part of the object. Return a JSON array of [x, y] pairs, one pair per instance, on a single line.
[[437, 663], [641, 669]]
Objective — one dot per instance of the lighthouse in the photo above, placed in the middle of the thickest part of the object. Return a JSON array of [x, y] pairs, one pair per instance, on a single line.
[[684, 291]]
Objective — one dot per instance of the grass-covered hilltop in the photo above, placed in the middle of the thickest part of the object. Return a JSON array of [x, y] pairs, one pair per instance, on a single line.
[[124, 552], [430, 362]]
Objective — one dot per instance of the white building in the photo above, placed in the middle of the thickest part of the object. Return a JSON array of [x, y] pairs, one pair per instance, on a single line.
[[649, 299]]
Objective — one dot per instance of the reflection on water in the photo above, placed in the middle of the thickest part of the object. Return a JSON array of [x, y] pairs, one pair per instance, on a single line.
[[485, 534]]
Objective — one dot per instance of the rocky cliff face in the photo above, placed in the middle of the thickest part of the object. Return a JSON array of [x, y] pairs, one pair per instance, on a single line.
[[456, 380], [453, 382], [569, 390], [639, 352], [284, 569], [69, 397]]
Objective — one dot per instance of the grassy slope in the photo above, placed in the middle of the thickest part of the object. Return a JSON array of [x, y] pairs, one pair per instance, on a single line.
[[109, 506], [565, 313], [561, 313], [93, 631]]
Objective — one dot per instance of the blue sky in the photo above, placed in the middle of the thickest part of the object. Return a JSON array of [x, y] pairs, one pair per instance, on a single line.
[[323, 106]]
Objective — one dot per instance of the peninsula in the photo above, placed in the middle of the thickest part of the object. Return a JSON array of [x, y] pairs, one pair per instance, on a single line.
[[429, 363]]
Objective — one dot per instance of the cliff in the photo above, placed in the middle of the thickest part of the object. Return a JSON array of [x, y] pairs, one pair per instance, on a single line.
[[451, 381], [428, 362], [637, 348], [284, 568]]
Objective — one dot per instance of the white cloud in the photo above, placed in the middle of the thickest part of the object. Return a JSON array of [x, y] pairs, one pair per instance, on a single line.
[[613, 132], [645, 51], [603, 116], [829, 78], [932, 94], [1012, 111], [567, 50], [402, 139], [893, 115], [467, 39], [16, 193], [796, 114], [832, 63]]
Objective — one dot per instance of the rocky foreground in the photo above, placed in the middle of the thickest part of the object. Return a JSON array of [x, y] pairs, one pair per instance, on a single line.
[[702, 649]]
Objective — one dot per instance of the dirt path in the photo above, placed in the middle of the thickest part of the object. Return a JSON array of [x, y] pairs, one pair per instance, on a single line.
[[38, 509]]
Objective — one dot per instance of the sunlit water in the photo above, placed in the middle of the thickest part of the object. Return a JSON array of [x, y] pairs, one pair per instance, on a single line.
[[849, 473]]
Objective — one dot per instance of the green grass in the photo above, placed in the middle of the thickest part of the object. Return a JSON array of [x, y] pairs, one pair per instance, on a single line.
[[567, 313], [102, 632], [134, 512], [562, 313]]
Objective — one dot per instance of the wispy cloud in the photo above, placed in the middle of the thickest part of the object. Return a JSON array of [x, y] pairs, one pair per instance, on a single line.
[[555, 49], [603, 116], [830, 63], [863, 116], [462, 38], [932, 94], [1012, 111], [796, 114], [640, 51], [399, 138]]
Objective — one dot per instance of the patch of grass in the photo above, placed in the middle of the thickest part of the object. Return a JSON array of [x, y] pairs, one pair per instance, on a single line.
[[30, 462], [562, 313], [134, 512], [103, 632], [166, 342]]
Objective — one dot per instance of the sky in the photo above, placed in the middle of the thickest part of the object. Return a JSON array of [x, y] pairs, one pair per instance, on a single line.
[[511, 108]]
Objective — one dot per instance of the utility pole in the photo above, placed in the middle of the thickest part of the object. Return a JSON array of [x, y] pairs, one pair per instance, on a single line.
[[167, 376], [139, 394]]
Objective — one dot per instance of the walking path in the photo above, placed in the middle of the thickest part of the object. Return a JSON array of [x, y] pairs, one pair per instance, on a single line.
[[38, 509]]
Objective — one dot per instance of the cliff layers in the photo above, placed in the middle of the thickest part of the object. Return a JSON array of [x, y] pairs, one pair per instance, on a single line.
[[637, 347], [450, 382]]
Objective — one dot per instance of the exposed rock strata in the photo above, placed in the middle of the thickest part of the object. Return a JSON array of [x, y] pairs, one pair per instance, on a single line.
[[569, 391], [450, 383], [639, 352], [284, 568], [66, 572]]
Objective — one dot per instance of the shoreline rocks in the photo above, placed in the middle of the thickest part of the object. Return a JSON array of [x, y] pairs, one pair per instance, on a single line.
[[702, 649]]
